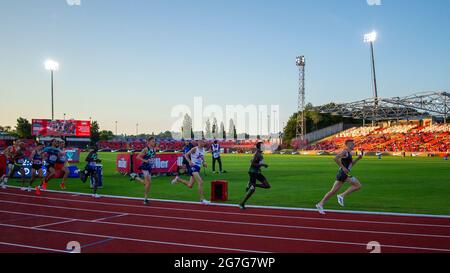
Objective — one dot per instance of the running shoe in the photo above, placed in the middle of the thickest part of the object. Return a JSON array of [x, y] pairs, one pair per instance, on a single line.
[[320, 209], [205, 202], [23, 189], [29, 189], [63, 186], [242, 206], [341, 200], [38, 190], [146, 201], [133, 176], [96, 196], [175, 180]]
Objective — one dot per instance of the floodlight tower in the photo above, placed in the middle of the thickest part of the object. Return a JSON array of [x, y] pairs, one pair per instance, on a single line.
[[52, 66], [370, 38], [301, 129]]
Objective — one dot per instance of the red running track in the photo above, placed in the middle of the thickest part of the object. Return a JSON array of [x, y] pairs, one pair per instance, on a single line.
[[47, 223]]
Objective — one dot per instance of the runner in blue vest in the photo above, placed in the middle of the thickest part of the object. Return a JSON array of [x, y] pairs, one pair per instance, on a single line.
[[147, 157], [37, 160]]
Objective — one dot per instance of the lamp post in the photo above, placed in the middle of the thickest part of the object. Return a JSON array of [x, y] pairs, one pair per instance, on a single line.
[[370, 38], [52, 66]]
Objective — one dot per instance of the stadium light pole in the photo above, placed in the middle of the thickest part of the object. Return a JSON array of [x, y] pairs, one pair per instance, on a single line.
[[52, 66], [370, 38], [116, 127]]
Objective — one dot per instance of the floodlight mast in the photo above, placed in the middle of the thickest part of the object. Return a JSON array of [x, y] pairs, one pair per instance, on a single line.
[[300, 128], [52, 66], [370, 38]]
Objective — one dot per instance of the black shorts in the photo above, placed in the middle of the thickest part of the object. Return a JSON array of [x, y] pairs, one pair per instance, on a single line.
[[36, 166], [256, 177], [342, 176]]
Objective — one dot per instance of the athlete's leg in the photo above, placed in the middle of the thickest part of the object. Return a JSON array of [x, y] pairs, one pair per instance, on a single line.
[[66, 173], [264, 183], [51, 172], [336, 187], [11, 168], [355, 186], [189, 183], [199, 180], [33, 175], [147, 184], [250, 190], [22, 176]]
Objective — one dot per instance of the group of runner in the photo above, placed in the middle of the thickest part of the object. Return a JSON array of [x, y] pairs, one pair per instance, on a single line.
[[193, 161], [54, 157]]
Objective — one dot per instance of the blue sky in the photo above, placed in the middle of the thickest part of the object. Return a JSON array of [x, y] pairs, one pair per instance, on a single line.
[[132, 61]]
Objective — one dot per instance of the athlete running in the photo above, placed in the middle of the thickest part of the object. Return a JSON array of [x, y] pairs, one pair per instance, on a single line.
[[52, 156], [255, 175], [9, 153], [19, 163], [61, 164], [345, 161], [196, 159], [147, 156], [91, 170], [37, 164]]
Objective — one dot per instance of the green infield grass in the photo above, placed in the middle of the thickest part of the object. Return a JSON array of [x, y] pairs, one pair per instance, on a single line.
[[393, 184]]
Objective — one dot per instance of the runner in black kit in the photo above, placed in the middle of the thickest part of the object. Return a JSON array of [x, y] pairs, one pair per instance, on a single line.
[[19, 161], [91, 170], [345, 162], [256, 175]]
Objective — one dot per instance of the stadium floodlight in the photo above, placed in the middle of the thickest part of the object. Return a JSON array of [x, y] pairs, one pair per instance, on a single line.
[[300, 61], [52, 66], [370, 37]]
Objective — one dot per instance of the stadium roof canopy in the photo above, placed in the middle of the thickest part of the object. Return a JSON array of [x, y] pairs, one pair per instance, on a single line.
[[419, 105]]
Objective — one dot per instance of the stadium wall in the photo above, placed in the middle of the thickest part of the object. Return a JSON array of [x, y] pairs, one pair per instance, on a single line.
[[325, 132]]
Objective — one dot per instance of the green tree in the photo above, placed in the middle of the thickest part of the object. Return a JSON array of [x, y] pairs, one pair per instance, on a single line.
[[95, 135], [106, 135], [23, 128]]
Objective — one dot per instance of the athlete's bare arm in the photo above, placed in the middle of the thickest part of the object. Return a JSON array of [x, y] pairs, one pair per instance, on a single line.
[[142, 154], [188, 155]]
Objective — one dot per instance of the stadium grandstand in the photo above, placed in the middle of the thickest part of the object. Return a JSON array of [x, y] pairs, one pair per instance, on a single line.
[[414, 124]]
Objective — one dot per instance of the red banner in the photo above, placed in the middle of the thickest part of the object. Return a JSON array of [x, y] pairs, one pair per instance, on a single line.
[[46, 127], [123, 163], [163, 163], [2, 164]]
